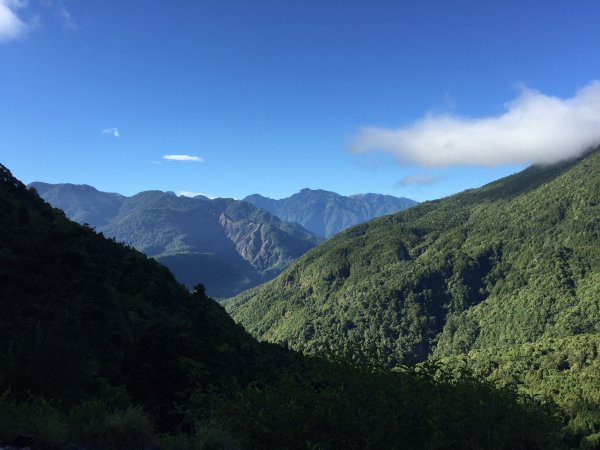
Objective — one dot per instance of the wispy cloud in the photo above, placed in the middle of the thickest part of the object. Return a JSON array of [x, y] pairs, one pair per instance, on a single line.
[[416, 180], [11, 25], [65, 16], [59, 10], [183, 158], [534, 128], [194, 194], [112, 131]]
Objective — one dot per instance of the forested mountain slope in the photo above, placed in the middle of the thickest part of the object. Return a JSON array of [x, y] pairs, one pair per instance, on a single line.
[[503, 280], [82, 316], [327, 213], [508, 263], [555, 370], [100, 346], [229, 245]]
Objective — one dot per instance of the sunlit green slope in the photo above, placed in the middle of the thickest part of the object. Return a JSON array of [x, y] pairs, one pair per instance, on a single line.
[[508, 263]]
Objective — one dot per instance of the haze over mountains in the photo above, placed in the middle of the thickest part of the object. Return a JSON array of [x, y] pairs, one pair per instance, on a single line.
[[226, 244], [326, 213]]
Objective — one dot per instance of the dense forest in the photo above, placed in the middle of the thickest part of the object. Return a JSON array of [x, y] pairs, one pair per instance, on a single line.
[[99, 345], [507, 274]]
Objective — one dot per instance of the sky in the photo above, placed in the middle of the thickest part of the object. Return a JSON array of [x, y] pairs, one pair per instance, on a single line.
[[230, 98]]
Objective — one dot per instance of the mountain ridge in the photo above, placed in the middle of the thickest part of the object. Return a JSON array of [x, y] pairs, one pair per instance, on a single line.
[[503, 280], [424, 265], [326, 213], [227, 244]]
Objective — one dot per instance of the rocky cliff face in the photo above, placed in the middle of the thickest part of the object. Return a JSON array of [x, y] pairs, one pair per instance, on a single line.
[[250, 243]]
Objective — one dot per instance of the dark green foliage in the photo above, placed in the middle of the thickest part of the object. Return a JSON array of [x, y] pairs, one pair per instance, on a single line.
[[94, 422], [339, 406], [229, 245], [83, 316], [99, 344], [327, 213]]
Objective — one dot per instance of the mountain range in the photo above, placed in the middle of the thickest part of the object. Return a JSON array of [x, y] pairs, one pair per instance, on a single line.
[[504, 279], [101, 348], [227, 245], [326, 213], [488, 298]]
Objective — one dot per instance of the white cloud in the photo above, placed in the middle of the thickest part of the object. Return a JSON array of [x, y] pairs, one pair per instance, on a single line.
[[411, 180], [534, 128], [183, 158], [11, 25], [112, 131]]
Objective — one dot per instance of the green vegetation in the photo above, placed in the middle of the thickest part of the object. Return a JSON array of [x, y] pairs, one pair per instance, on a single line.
[[227, 245], [327, 213], [325, 405], [93, 421], [512, 264], [99, 344], [564, 371], [82, 317], [337, 405]]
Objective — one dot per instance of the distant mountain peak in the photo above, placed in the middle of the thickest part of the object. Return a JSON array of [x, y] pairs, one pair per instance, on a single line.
[[317, 191], [326, 213]]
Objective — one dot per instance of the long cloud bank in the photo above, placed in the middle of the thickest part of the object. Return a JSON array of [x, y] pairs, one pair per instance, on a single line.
[[534, 128]]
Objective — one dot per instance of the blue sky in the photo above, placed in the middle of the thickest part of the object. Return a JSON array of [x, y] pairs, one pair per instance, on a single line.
[[416, 99]]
